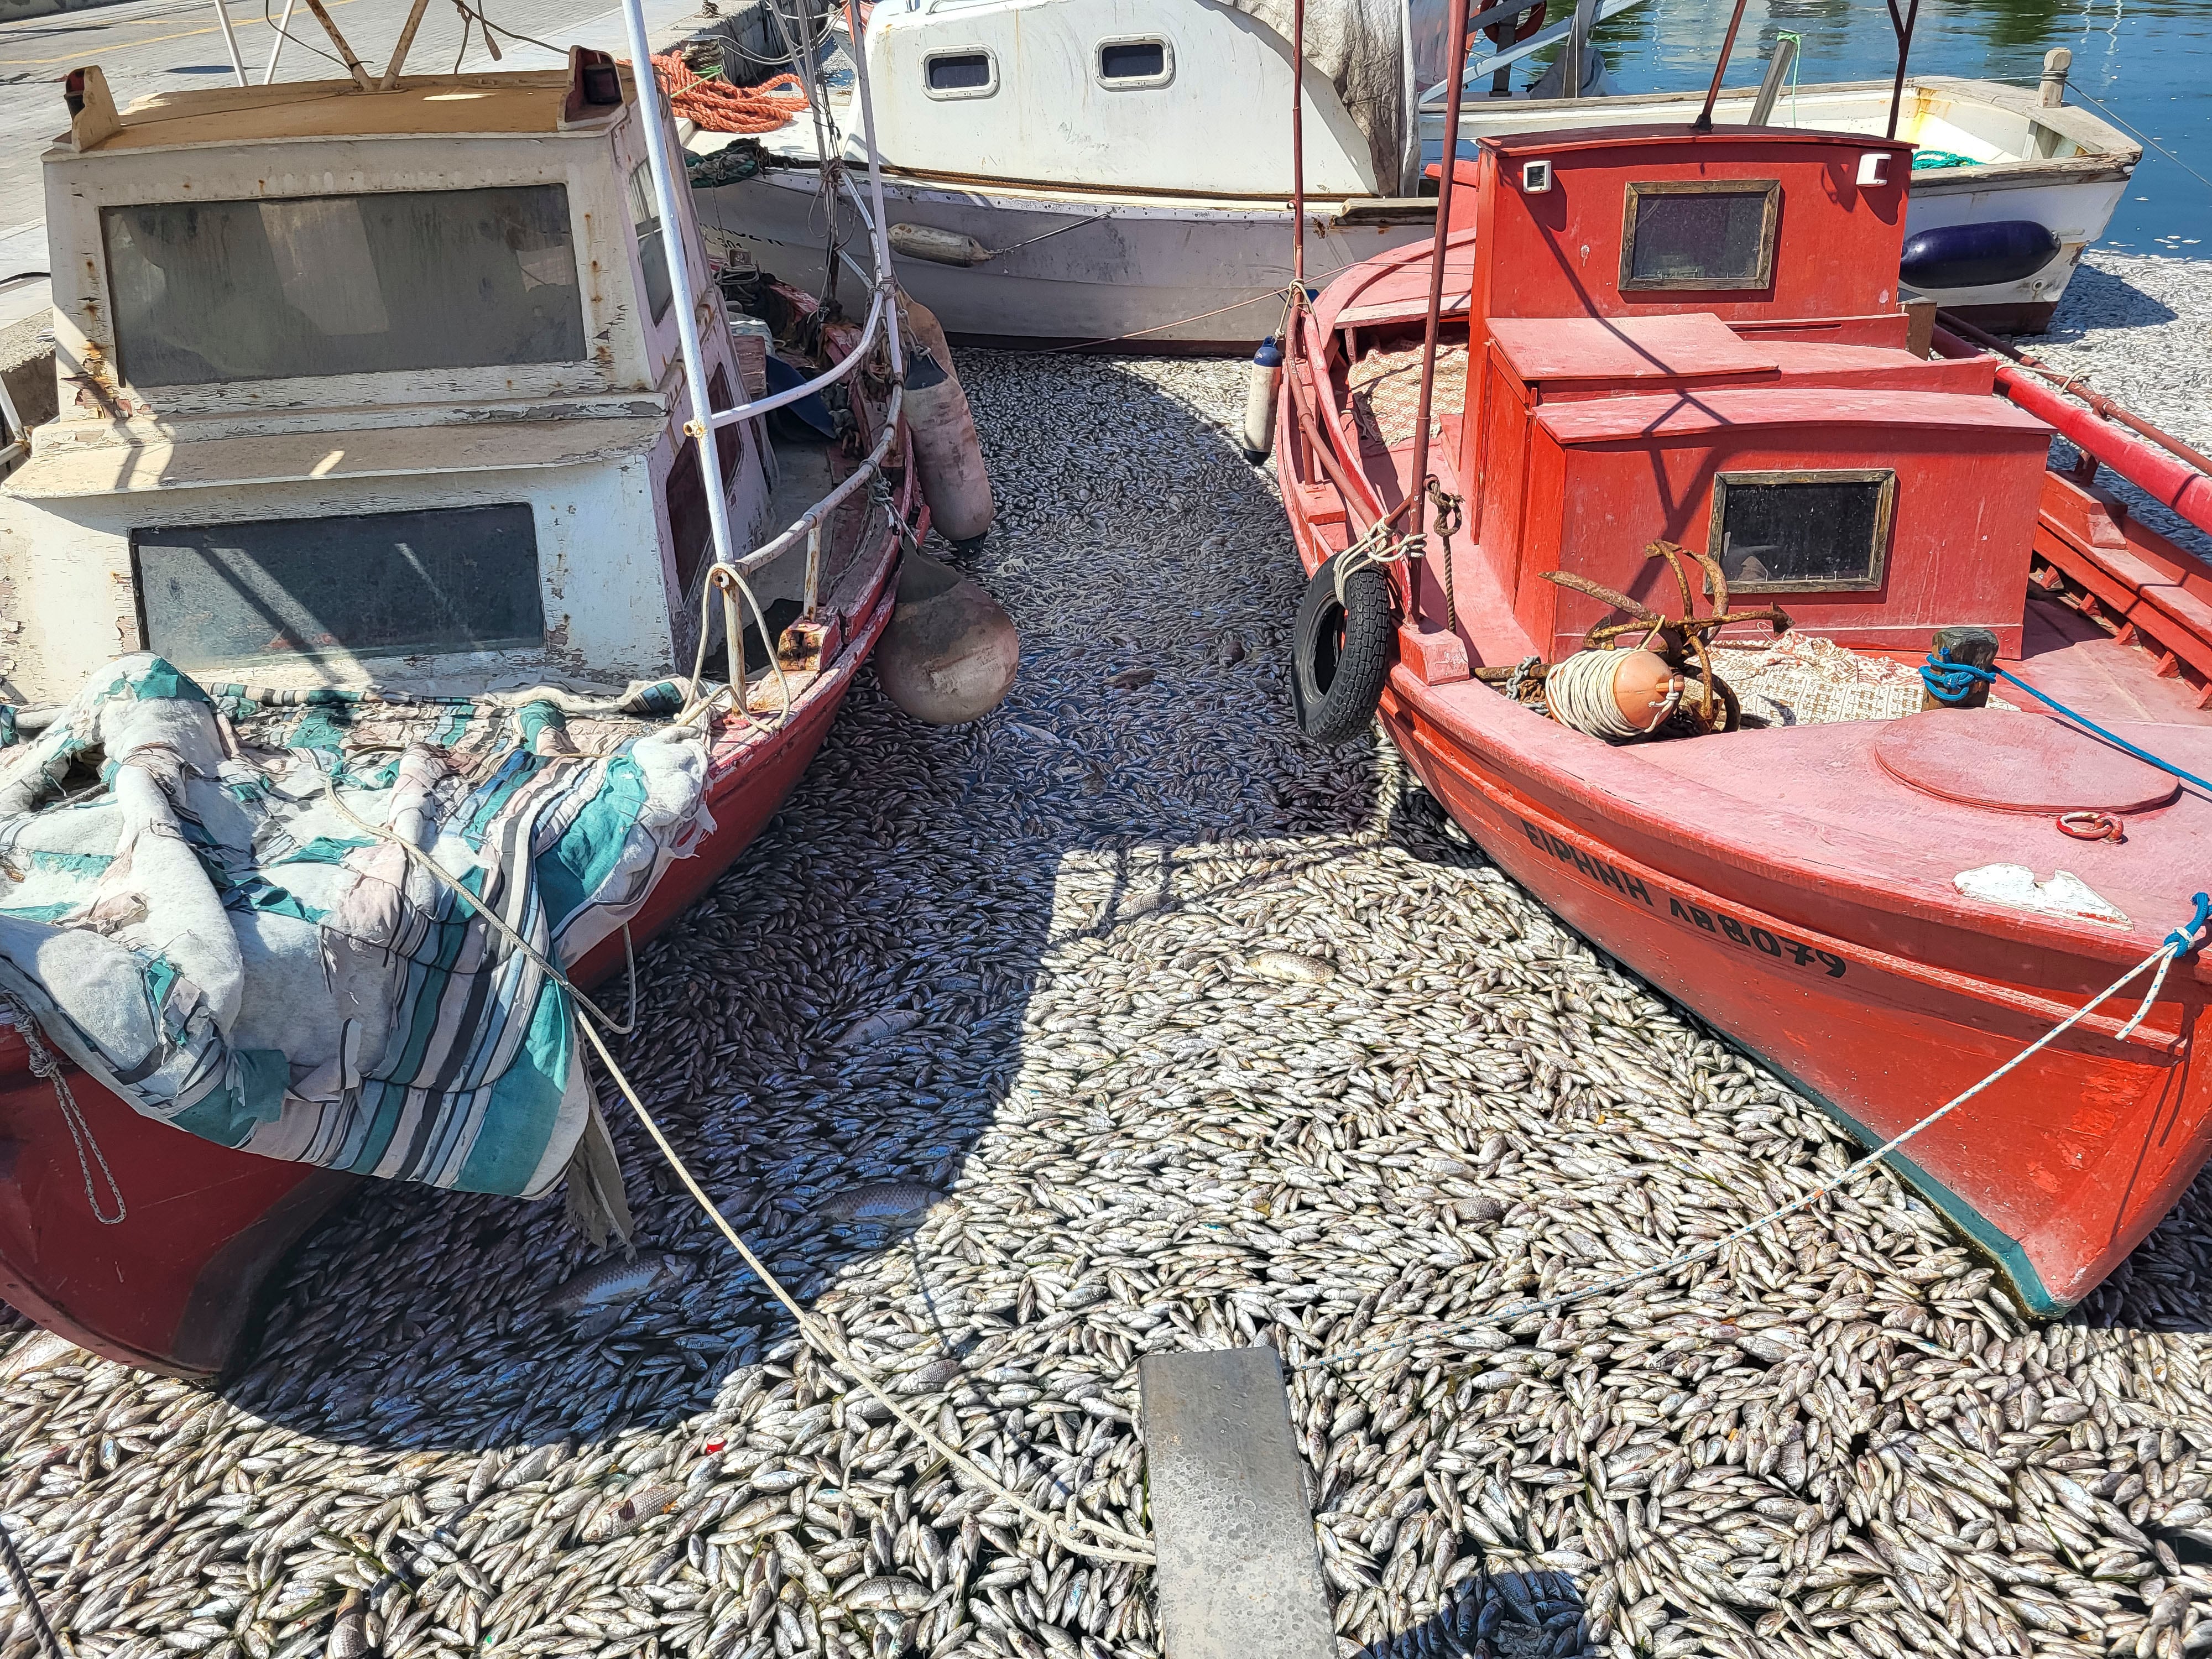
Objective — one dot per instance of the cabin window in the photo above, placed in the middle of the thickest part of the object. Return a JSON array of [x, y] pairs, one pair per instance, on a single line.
[[690, 531], [1699, 234], [1138, 63], [373, 583], [1785, 532], [215, 292], [970, 74], [652, 257]]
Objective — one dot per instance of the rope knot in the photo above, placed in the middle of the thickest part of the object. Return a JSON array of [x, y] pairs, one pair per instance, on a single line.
[[1949, 682], [2186, 938]]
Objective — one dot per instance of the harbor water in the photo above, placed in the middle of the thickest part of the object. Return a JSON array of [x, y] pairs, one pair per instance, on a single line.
[[2144, 64]]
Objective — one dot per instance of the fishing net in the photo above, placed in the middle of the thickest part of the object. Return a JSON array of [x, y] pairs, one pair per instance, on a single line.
[[1803, 679], [1386, 393]]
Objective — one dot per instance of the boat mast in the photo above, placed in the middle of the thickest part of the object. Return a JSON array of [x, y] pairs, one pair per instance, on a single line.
[[701, 426], [1903, 27], [1447, 165], [1704, 121], [1298, 156]]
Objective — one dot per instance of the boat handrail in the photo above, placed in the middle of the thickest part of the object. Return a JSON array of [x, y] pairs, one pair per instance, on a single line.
[[1550, 35], [836, 370], [816, 515]]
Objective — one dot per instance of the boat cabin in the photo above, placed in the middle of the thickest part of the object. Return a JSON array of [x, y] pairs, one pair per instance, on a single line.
[[360, 384], [1701, 342]]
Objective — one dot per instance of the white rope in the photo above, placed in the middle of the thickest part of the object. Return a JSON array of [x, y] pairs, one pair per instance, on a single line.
[[720, 579], [1117, 1544], [43, 1064], [2176, 943], [1578, 690]]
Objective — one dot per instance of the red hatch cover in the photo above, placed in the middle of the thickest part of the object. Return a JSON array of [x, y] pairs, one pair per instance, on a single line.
[[2017, 763]]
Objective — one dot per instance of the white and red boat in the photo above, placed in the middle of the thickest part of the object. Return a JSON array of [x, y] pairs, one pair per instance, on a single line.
[[1667, 336], [381, 401]]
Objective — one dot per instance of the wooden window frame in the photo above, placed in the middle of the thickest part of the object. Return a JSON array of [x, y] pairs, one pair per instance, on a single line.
[[1631, 284], [1885, 521]]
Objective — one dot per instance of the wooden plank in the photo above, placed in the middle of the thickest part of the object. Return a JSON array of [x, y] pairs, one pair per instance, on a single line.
[[1239, 1575]]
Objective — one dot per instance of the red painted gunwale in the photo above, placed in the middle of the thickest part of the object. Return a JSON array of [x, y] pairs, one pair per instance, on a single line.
[[177, 1286], [1739, 874]]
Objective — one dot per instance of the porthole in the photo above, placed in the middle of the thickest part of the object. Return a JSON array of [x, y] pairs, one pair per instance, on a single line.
[[1143, 60], [971, 73]]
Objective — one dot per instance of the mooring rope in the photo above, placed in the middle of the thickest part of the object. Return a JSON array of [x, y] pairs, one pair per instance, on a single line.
[[2175, 944], [44, 1064], [1106, 1542], [27, 1593]]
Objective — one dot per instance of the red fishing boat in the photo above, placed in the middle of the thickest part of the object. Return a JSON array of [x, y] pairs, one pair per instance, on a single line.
[[386, 442], [1654, 389]]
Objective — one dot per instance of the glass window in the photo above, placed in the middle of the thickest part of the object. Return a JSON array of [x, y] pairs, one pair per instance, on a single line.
[[953, 72], [222, 291], [1132, 60], [1699, 235], [1780, 532], [644, 215], [375, 584]]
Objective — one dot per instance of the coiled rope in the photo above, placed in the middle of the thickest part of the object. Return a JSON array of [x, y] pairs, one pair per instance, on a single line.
[[1578, 690], [718, 106], [2175, 944], [1103, 1542]]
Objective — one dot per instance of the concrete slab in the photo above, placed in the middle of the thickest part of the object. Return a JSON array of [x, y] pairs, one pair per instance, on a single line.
[[1239, 1575]]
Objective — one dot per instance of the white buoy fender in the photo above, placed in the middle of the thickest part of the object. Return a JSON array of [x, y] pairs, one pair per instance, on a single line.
[[1265, 381], [939, 247], [950, 652], [946, 451]]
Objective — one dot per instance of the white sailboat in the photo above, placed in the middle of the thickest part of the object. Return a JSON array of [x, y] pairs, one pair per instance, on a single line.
[[1067, 171]]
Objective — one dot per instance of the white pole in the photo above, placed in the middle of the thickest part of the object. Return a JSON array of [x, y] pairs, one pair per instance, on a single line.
[[277, 46], [665, 178], [230, 40], [885, 284]]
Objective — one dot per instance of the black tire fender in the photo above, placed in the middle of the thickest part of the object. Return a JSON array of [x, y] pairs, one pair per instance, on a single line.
[[1342, 653]]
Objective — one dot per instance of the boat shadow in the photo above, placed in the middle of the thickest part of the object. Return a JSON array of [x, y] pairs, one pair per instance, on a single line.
[[1521, 1613], [850, 1004]]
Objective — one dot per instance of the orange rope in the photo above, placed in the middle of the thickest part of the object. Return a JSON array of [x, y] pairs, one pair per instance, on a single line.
[[718, 106]]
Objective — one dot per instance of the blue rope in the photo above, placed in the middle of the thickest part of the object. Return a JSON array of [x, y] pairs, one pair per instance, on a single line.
[[1949, 682], [2184, 938]]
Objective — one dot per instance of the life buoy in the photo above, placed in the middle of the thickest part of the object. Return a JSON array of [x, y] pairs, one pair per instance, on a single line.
[[1341, 652]]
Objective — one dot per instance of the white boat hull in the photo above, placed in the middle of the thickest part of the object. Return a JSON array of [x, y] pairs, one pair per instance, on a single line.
[[1180, 275]]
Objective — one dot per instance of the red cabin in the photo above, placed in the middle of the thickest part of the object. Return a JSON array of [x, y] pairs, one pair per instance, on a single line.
[[1698, 343]]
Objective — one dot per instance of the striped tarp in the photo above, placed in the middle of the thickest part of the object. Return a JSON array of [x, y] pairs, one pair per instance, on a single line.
[[191, 908]]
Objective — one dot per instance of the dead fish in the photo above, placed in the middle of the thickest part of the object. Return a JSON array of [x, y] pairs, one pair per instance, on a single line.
[[36, 1352], [879, 1200], [876, 1027], [899, 1594], [609, 1284], [1132, 679], [619, 1520], [1289, 968], [1230, 652], [1034, 733], [348, 1637], [1483, 1210]]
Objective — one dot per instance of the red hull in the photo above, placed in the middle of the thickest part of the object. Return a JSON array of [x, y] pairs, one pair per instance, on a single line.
[[176, 1286], [1822, 893]]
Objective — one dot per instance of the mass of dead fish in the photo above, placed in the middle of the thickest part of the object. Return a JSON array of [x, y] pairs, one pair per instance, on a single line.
[[1204, 1037]]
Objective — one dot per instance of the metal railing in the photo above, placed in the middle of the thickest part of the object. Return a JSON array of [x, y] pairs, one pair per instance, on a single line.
[[729, 568]]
